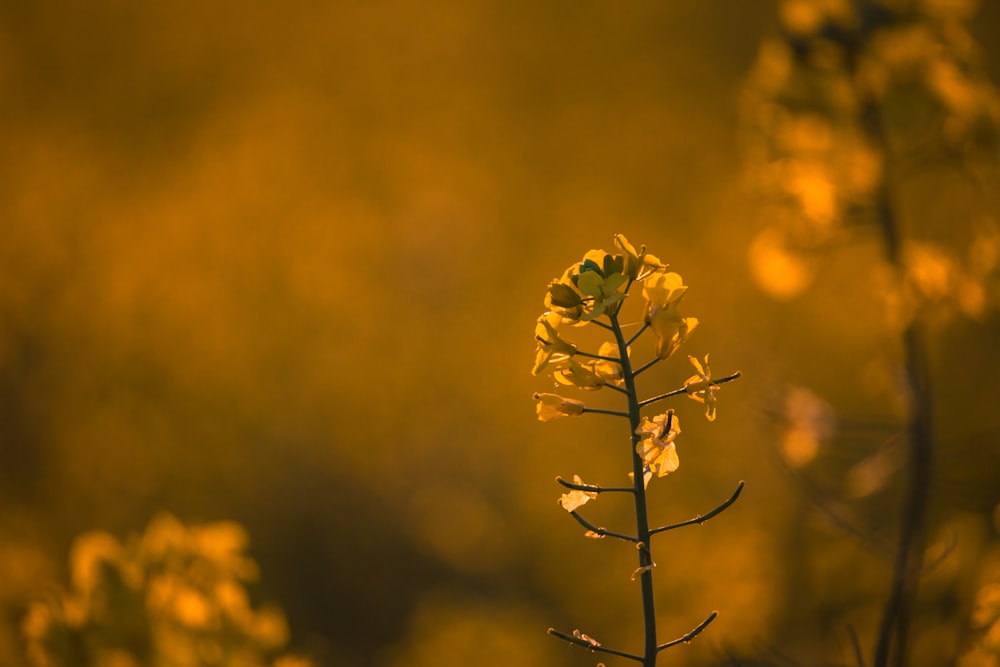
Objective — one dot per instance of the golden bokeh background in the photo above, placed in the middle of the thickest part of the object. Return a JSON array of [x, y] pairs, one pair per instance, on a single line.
[[279, 264]]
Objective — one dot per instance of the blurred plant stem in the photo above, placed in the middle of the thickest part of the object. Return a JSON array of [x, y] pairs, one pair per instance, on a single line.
[[891, 643]]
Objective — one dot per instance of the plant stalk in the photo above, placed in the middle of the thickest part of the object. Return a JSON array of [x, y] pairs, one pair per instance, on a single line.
[[641, 516]]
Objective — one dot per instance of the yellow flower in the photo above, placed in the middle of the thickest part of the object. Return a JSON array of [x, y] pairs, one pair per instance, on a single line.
[[638, 265], [657, 447], [553, 406], [590, 288], [700, 387], [609, 371], [563, 297], [663, 293], [593, 373], [583, 375], [600, 277], [576, 498], [552, 349]]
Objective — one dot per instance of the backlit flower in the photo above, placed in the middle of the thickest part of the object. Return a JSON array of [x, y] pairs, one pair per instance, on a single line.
[[663, 293], [552, 349], [638, 264]]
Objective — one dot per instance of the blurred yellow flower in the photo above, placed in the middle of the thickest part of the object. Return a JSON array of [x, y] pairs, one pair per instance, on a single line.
[[552, 406], [657, 447], [700, 388], [576, 498]]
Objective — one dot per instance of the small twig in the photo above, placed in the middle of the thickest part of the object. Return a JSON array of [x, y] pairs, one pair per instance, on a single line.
[[620, 390], [635, 336], [852, 635], [603, 532], [614, 360], [702, 518], [594, 488], [649, 364], [682, 390], [603, 325], [579, 641], [691, 635], [602, 411]]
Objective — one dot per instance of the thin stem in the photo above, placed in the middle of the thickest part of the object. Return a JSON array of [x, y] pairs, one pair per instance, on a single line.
[[615, 387], [603, 532], [581, 353], [594, 488], [691, 635], [635, 337], [649, 364], [602, 325], [641, 517], [593, 646], [683, 390], [702, 518], [602, 411]]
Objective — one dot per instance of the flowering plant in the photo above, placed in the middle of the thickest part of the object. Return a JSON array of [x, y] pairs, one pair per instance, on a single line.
[[593, 292]]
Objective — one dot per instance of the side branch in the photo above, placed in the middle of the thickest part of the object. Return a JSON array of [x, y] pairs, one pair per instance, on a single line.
[[683, 390], [591, 355], [594, 488], [602, 411], [691, 635], [592, 645], [635, 337], [702, 518], [649, 364], [603, 532]]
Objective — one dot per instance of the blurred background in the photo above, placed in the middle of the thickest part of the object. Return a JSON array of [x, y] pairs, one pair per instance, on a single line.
[[280, 264]]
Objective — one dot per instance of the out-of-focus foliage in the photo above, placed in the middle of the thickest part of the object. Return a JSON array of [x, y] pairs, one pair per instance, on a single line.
[[873, 129], [174, 596], [855, 97]]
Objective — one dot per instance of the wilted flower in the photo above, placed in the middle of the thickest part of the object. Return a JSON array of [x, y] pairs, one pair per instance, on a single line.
[[657, 447], [553, 406], [700, 387], [576, 498]]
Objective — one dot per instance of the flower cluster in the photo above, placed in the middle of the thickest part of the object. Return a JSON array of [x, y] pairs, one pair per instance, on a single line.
[[597, 287], [174, 596]]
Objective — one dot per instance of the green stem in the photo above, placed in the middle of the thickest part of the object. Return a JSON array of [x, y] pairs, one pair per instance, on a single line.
[[594, 488], [641, 517], [702, 518], [682, 390], [581, 353], [602, 411]]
